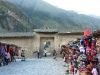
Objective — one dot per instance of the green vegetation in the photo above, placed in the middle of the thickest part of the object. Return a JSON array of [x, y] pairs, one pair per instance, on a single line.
[[43, 13], [12, 19], [2, 6]]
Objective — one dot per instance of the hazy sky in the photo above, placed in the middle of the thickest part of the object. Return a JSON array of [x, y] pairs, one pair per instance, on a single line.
[[82, 6]]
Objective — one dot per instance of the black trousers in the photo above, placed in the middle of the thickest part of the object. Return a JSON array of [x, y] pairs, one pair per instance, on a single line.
[[6, 60], [45, 55]]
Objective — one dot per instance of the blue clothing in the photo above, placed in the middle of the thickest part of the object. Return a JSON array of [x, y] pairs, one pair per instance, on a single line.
[[82, 42], [3, 51]]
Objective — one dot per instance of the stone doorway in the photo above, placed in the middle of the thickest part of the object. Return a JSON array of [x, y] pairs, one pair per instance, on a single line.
[[47, 43]]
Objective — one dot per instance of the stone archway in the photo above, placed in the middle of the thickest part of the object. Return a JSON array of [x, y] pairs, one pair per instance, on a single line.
[[47, 43]]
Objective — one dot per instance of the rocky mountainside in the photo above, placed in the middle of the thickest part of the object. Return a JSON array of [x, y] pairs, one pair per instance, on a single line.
[[43, 13], [12, 19]]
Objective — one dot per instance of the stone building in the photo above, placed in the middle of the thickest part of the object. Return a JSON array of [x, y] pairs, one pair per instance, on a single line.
[[39, 39]]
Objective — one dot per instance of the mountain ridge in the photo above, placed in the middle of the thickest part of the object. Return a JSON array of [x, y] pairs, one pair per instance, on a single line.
[[42, 13]]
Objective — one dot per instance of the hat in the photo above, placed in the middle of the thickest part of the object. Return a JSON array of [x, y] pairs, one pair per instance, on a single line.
[[87, 33], [85, 70]]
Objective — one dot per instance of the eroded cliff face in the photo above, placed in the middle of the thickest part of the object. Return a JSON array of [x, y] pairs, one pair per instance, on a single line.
[[12, 19]]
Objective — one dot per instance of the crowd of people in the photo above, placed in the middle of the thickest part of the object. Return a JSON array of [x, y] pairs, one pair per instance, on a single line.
[[7, 54], [45, 54], [82, 56]]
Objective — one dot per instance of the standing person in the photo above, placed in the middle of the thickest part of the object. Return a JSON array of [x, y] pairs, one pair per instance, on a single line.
[[63, 54], [15, 56], [45, 52], [54, 54], [8, 58], [23, 55], [38, 54], [2, 60]]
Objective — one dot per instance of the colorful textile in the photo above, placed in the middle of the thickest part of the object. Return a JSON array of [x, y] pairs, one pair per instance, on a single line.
[[82, 49], [87, 33], [94, 71]]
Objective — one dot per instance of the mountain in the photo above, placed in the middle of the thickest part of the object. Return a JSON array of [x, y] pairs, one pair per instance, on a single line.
[[42, 13], [12, 19], [94, 16]]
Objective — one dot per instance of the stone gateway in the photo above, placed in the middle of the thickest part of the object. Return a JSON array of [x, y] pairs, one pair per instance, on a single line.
[[39, 39]]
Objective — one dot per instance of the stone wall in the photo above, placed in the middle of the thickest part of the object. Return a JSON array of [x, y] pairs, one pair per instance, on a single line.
[[63, 39], [26, 43], [35, 43]]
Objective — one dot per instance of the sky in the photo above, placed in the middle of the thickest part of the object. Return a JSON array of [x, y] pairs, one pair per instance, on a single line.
[[81, 6]]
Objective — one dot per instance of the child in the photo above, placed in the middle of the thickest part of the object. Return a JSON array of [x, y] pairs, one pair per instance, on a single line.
[[54, 54]]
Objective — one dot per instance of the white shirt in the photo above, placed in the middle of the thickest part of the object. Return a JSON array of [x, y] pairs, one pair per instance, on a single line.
[[45, 51], [8, 55]]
